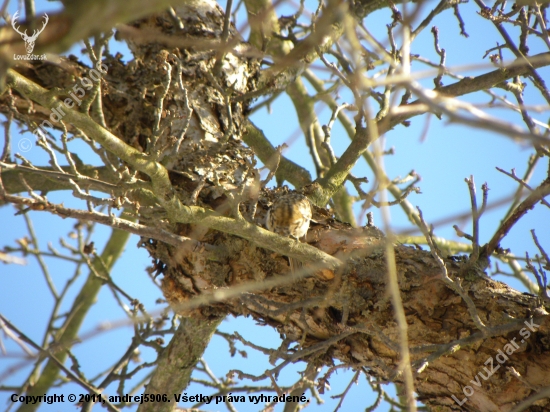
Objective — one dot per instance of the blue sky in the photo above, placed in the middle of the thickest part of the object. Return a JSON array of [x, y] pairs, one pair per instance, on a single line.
[[448, 154]]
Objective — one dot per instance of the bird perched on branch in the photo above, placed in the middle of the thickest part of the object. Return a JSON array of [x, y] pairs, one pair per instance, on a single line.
[[289, 216]]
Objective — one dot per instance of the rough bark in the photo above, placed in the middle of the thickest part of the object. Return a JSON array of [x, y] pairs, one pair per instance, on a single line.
[[311, 311], [174, 370]]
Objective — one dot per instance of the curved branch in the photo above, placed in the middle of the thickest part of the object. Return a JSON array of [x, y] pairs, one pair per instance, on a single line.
[[287, 170], [534, 197], [162, 186], [466, 86], [76, 22], [140, 161]]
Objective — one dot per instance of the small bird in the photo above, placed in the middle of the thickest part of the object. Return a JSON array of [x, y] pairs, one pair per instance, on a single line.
[[290, 216]]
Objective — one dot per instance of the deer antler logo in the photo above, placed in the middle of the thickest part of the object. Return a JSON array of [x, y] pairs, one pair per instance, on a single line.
[[29, 40]]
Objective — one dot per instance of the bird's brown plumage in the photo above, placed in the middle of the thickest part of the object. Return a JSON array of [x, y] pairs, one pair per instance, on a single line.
[[290, 215]]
